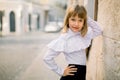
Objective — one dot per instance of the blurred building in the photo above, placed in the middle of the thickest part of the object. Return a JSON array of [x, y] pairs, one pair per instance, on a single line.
[[57, 10], [19, 16]]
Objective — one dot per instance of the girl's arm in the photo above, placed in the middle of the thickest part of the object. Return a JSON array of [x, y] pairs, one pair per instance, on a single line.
[[95, 27], [49, 60]]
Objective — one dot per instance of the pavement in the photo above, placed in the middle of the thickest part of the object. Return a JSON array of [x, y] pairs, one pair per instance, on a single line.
[[21, 57]]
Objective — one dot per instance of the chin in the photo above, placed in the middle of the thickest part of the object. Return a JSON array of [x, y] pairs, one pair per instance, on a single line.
[[75, 30]]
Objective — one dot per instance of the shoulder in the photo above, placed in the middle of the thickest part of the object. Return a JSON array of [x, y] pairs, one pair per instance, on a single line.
[[58, 43]]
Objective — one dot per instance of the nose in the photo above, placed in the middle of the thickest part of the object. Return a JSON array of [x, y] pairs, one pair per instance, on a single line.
[[76, 23]]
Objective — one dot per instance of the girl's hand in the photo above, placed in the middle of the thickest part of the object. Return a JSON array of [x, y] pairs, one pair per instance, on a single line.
[[69, 70]]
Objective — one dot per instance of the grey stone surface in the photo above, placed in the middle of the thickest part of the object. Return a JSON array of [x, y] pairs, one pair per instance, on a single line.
[[112, 59], [109, 18]]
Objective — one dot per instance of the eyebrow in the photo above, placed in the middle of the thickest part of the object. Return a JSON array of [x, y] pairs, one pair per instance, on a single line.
[[78, 18]]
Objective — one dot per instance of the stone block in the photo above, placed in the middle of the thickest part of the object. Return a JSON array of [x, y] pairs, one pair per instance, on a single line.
[[111, 59], [108, 17]]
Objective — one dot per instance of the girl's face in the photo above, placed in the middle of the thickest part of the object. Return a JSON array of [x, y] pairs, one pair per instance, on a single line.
[[76, 23]]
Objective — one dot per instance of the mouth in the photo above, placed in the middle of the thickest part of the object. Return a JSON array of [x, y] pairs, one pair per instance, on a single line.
[[75, 28]]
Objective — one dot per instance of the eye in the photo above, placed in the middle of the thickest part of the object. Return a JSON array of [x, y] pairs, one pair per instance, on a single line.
[[81, 20], [73, 19]]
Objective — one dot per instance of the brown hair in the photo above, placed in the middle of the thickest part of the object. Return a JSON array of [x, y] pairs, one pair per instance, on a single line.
[[72, 11]]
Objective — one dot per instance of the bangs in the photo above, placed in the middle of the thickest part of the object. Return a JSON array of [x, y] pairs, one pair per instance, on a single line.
[[78, 11]]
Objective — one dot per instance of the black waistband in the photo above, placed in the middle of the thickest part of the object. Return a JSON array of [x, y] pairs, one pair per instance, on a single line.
[[77, 65]]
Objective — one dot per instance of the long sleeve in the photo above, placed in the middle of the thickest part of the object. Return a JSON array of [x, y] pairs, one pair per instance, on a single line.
[[95, 27], [49, 60]]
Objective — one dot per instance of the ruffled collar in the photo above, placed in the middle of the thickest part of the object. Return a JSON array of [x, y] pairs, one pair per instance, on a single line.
[[69, 42]]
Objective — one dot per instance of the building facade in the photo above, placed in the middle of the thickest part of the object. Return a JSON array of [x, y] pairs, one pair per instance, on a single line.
[[19, 16]]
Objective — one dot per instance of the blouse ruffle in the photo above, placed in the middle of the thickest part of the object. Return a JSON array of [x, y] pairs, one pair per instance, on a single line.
[[70, 42], [57, 44]]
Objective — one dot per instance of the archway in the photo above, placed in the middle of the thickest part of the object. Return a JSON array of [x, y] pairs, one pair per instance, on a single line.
[[1, 16], [12, 21], [38, 22], [29, 21]]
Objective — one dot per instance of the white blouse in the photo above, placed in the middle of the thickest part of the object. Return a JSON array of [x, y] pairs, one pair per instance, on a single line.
[[73, 45]]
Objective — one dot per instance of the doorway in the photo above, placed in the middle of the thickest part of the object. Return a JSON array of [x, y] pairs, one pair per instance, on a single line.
[[1, 22], [12, 21]]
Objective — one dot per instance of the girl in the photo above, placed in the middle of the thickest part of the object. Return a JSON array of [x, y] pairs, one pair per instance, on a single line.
[[77, 35]]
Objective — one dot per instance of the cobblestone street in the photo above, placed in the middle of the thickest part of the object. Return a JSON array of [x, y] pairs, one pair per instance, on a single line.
[[21, 57]]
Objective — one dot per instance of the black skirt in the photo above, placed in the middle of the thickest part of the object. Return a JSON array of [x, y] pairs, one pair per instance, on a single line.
[[79, 75]]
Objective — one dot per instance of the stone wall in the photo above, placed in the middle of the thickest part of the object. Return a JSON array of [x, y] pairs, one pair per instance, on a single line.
[[109, 18], [104, 58]]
